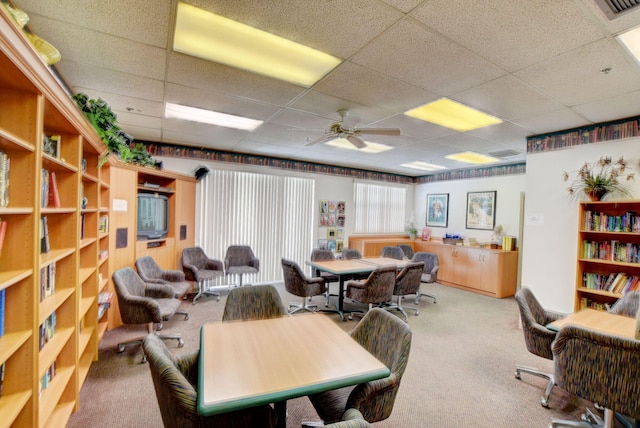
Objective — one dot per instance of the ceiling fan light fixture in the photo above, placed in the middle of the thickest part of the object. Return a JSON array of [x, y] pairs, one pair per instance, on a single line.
[[425, 166], [210, 117], [215, 38], [343, 143], [472, 157], [453, 115]]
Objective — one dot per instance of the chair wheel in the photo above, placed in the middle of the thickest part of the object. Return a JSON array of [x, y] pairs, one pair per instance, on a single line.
[[186, 317], [350, 317], [120, 348], [218, 299], [180, 343]]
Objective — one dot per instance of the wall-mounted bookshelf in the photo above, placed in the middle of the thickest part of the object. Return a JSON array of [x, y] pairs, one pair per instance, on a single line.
[[50, 272]]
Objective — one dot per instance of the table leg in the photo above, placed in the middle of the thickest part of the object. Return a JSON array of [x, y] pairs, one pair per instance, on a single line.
[[340, 305], [281, 412]]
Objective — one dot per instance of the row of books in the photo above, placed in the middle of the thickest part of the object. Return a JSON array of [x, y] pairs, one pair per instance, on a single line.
[[47, 378], [619, 282], [586, 303], [104, 303], [4, 179], [2, 367], [47, 330], [613, 250], [47, 281], [603, 222], [49, 196]]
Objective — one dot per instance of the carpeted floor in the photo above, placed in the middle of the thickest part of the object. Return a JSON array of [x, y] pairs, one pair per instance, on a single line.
[[460, 371]]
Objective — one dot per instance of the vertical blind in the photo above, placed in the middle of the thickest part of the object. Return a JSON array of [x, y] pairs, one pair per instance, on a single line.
[[378, 208], [272, 214]]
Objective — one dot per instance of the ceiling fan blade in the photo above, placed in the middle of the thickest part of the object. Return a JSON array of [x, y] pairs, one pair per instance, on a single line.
[[378, 131], [322, 139], [356, 141]]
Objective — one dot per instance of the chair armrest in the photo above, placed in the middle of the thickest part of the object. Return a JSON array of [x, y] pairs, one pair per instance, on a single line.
[[213, 264], [255, 263], [363, 396], [188, 366], [355, 284], [173, 276], [435, 270], [139, 310], [156, 290]]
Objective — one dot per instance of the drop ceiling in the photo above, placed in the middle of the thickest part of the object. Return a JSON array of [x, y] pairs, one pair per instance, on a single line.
[[539, 65]]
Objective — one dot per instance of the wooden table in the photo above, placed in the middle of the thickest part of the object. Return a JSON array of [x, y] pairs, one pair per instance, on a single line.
[[601, 321], [347, 269], [250, 363]]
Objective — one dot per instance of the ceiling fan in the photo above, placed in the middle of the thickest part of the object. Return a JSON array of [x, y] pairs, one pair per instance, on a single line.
[[352, 134]]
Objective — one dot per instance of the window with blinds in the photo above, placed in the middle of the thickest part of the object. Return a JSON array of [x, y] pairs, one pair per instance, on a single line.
[[379, 208]]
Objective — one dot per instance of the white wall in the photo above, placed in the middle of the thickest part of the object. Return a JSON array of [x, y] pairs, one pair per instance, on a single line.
[[551, 219], [328, 187], [507, 213]]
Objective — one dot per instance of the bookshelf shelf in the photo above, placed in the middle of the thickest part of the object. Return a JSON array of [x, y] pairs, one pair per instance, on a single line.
[[608, 259], [34, 107]]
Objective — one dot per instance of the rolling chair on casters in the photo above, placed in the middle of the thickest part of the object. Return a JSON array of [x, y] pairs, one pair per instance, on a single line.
[[201, 269], [240, 261]]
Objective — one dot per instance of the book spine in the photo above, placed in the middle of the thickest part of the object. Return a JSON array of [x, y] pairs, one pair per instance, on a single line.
[[3, 297]]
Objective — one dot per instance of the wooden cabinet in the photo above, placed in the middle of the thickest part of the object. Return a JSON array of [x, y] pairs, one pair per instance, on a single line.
[[608, 252], [50, 267], [482, 270], [180, 191], [371, 246]]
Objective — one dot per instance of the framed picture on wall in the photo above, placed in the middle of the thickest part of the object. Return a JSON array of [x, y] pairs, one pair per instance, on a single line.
[[481, 209], [438, 210]]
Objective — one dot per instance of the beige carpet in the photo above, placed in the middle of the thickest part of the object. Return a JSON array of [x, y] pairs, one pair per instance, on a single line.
[[460, 371]]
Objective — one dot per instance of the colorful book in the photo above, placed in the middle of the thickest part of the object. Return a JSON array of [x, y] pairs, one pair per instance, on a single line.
[[3, 233], [54, 196], [44, 241], [3, 297]]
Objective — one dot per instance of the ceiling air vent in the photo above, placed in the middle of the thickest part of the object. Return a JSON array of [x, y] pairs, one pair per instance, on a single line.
[[615, 8], [504, 153]]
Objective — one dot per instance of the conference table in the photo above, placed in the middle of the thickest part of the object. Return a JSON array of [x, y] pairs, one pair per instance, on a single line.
[[601, 321], [249, 363], [353, 268]]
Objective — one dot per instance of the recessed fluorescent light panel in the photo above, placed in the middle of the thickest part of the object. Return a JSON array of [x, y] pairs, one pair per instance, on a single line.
[[216, 38], [472, 157], [423, 166], [193, 114], [342, 143], [631, 41], [453, 115]]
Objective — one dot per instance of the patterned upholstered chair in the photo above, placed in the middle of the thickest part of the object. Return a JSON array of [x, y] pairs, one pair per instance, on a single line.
[[144, 303], [201, 269], [601, 368], [407, 283], [376, 289], [392, 252], [352, 418], [387, 338], [241, 261], [430, 272], [627, 305], [175, 381], [537, 337], [253, 303], [407, 250], [321, 256], [351, 253], [149, 271], [298, 284]]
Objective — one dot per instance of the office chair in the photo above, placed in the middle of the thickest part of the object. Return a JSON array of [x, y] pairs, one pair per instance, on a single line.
[[387, 338], [201, 269], [149, 271], [253, 303], [407, 250], [296, 283], [175, 380], [376, 289], [537, 337], [352, 418], [324, 255], [627, 305], [407, 282], [241, 261], [430, 272], [392, 252], [351, 253], [144, 303], [601, 368]]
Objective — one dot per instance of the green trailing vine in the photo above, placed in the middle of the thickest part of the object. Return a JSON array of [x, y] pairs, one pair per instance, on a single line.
[[118, 142]]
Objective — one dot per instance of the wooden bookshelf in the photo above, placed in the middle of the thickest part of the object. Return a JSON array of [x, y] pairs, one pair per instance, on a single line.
[[608, 245], [34, 105]]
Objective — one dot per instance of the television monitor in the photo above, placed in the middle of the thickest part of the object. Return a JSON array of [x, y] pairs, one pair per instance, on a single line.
[[153, 216]]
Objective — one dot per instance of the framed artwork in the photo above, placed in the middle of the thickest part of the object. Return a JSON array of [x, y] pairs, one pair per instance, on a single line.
[[438, 210], [51, 145], [481, 209]]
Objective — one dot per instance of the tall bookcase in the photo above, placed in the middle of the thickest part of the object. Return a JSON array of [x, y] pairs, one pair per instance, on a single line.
[[53, 260], [608, 252]]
